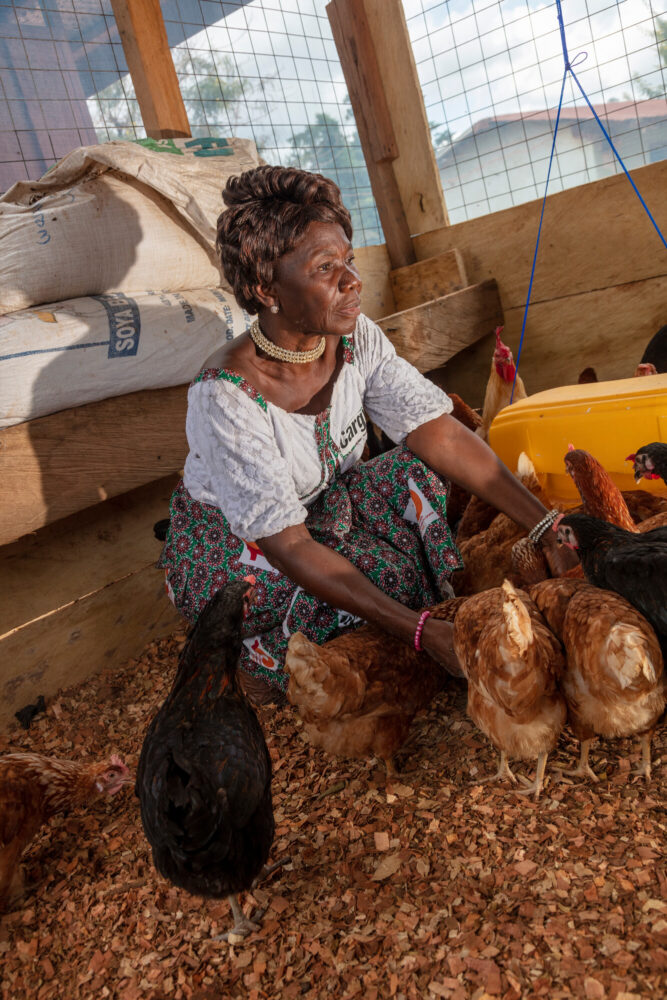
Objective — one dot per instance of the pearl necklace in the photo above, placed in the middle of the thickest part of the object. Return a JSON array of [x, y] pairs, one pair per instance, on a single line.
[[280, 353]]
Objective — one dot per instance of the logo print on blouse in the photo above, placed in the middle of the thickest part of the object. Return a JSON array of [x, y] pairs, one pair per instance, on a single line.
[[354, 430], [419, 510], [258, 654], [252, 555]]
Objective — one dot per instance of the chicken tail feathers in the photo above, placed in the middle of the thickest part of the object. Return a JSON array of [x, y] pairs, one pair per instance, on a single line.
[[321, 687], [517, 618]]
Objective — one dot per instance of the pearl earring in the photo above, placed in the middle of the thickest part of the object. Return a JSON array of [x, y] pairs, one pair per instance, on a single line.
[[274, 308]]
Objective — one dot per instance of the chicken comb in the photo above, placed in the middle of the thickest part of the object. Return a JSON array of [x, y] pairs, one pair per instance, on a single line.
[[554, 526], [116, 761], [571, 447], [631, 458], [250, 579]]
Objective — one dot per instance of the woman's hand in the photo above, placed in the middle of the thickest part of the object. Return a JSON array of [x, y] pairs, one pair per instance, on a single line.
[[438, 641]]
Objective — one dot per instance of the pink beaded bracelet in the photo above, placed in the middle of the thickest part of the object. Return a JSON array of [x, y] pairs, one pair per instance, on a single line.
[[420, 628]]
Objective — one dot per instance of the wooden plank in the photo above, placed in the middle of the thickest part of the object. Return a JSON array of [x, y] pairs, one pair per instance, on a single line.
[[377, 297], [594, 236], [151, 66], [99, 631], [430, 334], [415, 170], [354, 33], [72, 459], [428, 279], [81, 553], [607, 328], [383, 181]]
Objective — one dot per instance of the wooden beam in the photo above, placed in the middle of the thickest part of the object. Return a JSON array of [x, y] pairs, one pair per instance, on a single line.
[[428, 279], [376, 57], [82, 595], [57, 465], [430, 334], [415, 169], [359, 64], [144, 37], [607, 329]]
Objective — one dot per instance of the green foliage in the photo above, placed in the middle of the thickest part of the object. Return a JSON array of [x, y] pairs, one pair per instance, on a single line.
[[328, 148], [646, 89]]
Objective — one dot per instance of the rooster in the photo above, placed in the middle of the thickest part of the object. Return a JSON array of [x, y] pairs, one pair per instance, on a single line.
[[512, 661], [32, 789], [204, 774], [650, 461], [614, 682], [499, 386], [358, 693], [632, 565]]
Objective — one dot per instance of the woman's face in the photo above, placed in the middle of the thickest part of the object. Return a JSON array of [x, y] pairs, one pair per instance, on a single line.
[[316, 285]]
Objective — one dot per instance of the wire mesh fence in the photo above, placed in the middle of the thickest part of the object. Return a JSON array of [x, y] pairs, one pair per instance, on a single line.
[[491, 73], [56, 57], [269, 70]]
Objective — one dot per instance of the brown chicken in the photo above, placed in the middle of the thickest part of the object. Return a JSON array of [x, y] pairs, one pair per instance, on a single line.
[[487, 555], [529, 564], [32, 789], [601, 497], [358, 693], [513, 663], [614, 680], [499, 386]]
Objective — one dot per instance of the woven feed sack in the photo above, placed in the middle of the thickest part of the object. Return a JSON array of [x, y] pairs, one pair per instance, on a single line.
[[69, 353], [119, 216]]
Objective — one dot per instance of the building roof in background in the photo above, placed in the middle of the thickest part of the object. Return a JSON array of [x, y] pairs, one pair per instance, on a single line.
[[655, 108]]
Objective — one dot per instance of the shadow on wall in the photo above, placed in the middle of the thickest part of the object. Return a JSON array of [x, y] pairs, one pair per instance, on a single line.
[[80, 348]]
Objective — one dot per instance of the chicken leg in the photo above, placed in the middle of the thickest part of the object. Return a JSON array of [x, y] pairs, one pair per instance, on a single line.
[[242, 925], [644, 769], [504, 771], [583, 768], [535, 785]]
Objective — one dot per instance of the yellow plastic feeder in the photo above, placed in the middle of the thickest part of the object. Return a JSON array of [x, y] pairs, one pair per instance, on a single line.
[[611, 420]]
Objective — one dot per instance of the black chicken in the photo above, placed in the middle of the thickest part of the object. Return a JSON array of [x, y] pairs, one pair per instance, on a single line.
[[634, 565], [650, 461], [204, 774]]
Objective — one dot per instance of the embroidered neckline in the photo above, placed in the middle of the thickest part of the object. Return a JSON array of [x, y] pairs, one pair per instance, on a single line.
[[228, 375]]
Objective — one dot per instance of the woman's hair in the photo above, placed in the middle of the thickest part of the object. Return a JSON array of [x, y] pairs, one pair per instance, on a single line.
[[268, 211]]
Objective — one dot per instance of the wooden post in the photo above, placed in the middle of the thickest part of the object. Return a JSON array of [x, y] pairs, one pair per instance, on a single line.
[[360, 68], [146, 48], [376, 56]]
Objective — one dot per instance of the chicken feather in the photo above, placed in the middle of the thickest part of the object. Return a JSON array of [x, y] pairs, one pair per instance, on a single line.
[[512, 661], [358, 693], [614, 682]]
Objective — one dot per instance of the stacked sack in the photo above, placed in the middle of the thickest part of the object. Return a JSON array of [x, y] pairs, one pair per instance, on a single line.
[[109, 281]]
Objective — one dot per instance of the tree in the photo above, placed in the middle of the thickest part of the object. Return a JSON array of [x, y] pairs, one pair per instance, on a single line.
[[327, 148], [215, 97], [647, 89]]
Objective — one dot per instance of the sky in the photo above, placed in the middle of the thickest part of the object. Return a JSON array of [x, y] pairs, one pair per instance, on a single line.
[[474, 57]]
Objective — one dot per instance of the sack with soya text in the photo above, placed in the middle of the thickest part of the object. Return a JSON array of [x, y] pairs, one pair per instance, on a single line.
[[121, 216], [82, 350]]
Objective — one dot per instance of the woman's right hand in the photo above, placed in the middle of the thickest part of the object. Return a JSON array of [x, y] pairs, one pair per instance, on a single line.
[[438, 641]]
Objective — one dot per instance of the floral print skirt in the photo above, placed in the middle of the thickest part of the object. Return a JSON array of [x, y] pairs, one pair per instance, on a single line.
[[386, 516]]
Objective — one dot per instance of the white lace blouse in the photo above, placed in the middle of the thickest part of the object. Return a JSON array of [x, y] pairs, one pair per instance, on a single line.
[[262, 465]]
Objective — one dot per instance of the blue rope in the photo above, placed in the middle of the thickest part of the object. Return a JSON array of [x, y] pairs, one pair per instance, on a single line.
[[569, 69]]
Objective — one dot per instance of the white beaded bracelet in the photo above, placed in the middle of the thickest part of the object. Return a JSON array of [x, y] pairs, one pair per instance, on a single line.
[[543, 526]]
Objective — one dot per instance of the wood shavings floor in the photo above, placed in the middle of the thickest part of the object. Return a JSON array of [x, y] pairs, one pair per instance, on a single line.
[[441, 888]]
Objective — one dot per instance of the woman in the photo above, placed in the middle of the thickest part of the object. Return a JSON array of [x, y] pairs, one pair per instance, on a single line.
[[273, 483]]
